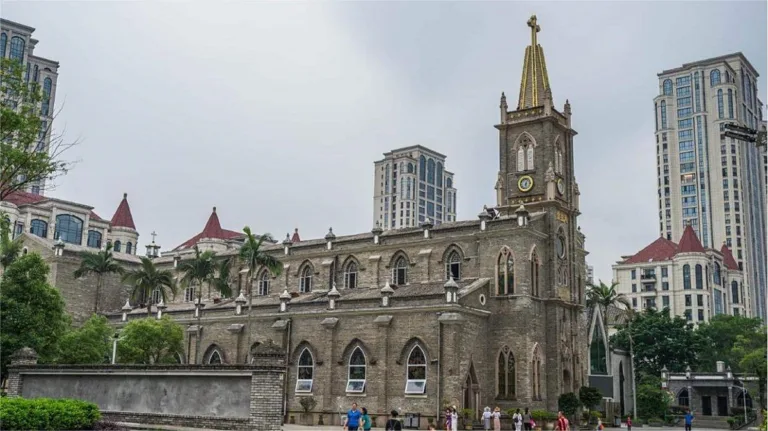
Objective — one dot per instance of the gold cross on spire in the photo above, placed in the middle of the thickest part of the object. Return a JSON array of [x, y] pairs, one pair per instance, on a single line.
[[534, 29]]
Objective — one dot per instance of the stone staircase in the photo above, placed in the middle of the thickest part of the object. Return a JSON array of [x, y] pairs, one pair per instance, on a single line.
[[711, 422]]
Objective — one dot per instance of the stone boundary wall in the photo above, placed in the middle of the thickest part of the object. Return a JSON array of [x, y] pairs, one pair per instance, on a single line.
[[210, 396]]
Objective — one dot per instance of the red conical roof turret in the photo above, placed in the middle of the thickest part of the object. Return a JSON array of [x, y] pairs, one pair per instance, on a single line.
[[123, 217], [689, 243], [728, 259]]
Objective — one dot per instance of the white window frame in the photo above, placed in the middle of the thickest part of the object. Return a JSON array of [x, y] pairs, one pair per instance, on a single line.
[[396, 269], [350, 276], [264, 283], [210, 358], [416, 382], [189, 294], [155, 296], [302, 382], [353, 383], [305, 281]]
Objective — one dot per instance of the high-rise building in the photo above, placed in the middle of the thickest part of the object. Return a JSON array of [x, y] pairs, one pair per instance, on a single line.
[[712, 182], [17, 43], [412, 185]]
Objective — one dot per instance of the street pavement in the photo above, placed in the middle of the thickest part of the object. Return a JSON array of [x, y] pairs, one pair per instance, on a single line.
[[338, 428]]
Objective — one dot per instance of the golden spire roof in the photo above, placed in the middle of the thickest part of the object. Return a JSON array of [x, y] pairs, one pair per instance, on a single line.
[[534, 83]]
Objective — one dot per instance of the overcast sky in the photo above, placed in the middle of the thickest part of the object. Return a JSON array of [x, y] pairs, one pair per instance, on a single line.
[[275, 112]]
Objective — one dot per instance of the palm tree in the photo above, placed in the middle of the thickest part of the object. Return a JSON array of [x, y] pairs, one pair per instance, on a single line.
[[101, 264], [10, 249], [146, 279], [254, 258], [198, 271], [221, 281], [605, 296]]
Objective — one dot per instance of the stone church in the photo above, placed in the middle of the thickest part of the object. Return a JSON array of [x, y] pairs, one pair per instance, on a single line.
[[475, 313]]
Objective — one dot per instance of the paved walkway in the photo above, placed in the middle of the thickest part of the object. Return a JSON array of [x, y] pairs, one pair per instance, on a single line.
[[288, 427]]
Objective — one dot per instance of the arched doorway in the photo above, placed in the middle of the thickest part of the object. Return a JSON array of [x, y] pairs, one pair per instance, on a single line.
[[621, 388], [471, 391]]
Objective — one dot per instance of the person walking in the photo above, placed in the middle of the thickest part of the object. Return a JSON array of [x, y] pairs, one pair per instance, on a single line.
[[688, 420], [487, 419], [448, 419], [562, 422], [497, 419], [629, 423], [366, 420], [454, 419], [527, 419], [517, 419], [352, 422], [393, 424]]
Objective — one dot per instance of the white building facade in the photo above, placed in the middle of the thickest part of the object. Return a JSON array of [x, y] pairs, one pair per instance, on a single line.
[[17, 43], [412, 185], [711, 182], [694, 282]]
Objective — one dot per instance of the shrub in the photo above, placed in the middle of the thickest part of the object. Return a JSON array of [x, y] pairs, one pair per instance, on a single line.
[[568, 403], [539, 415], [47, 414]]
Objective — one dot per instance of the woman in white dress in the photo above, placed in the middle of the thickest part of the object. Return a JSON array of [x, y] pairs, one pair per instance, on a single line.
[[454, 419], [487, 419], [517, 419]]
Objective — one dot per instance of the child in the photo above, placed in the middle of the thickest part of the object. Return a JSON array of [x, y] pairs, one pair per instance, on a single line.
[[629, 423]]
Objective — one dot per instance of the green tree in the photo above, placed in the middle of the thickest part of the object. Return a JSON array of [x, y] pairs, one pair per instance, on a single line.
[[652, 401], [223, 274], [606, 296], [751, 349], [150, 341], [720, 335], [100, 263], [659, 341], [21, 130], [198, 271], [255, 258], [10, 249], [568, 404], [32, 313], [89, 344], [146, 279], [589, 398]]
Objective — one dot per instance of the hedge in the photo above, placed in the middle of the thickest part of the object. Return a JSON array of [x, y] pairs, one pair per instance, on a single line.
[[47, 414]]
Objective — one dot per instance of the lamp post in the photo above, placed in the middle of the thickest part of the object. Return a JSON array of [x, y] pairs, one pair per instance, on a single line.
[[114, 347]]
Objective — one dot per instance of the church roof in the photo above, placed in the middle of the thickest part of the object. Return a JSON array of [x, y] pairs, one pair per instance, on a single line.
[[295, 238], [660, 250], [689, 242], [534, 83], [123, 216], [212, 229], [20, 199], [728, 259]]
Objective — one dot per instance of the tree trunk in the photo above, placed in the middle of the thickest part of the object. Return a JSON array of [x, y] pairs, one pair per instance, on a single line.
[[98, 294], [250, 306]]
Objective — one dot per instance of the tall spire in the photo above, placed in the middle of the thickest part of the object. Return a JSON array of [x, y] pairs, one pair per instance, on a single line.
[[534, 84]]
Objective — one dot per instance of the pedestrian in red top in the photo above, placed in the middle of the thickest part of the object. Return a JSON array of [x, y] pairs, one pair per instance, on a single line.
[[629, 423], [562, 422]]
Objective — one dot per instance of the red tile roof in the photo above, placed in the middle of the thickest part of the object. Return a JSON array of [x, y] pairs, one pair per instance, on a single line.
[[689, 242], [20, 198], [659, 250], [212, 229], [728, 259], [123, 217], [295, 238]]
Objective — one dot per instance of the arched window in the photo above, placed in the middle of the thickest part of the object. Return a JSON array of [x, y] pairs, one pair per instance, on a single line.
[[69, 229], [400, 272], [699, 282], [730, 103], [356, 379], [3, 42], [264, 281], [717, 273], [156, 296], [682, 398], [505, 270], [453, 266], [408, 189], [720, 108], [431, 171], [535, 273], [734, 292], [46, 102], [416, 372], [117, 246], [686, 276], [35, 72], [128, 248], [214, 358], [449, 183], [350, 275], [410, 168], [94, 239], [529, 158], [536, 373], [39, 228], [663, 114], [305, 371], [423, 168], [439, 174], [305, 280], [189, 294], [668, 87], [598, 363], [17, 49], [727, 76], [520, 159], [506, 375], [714, 77]]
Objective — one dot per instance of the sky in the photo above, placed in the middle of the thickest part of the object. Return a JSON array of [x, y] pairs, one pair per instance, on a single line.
[[275, 112]]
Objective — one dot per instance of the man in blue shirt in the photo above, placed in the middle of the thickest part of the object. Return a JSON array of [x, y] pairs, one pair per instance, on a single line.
[[352, 422], [688, 420]]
